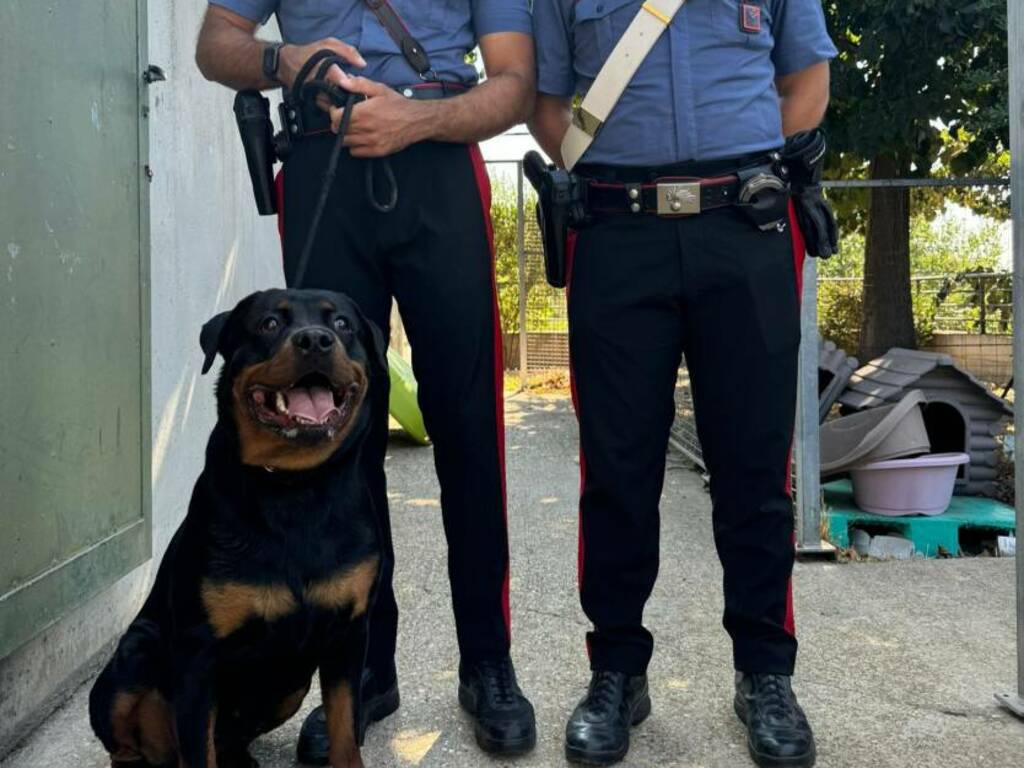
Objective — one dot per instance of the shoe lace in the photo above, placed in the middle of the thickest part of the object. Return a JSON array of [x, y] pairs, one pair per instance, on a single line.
[[776, 698], [604, 691], [499, 681]]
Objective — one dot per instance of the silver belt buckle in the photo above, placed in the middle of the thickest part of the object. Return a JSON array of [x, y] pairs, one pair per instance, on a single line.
[[678, 198]]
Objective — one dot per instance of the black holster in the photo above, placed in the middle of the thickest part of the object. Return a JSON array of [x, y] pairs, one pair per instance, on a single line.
[[252, 113], [561, 206]]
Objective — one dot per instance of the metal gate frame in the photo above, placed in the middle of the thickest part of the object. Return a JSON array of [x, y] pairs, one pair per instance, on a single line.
[[1015, 30]]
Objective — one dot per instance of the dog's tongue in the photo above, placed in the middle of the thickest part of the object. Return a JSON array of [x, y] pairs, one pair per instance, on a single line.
[[313, 403]]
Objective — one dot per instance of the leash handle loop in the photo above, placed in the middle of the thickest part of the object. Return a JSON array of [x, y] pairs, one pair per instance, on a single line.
[[320, 56]]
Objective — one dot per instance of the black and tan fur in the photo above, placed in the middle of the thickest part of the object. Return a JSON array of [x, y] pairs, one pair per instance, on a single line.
[[271, 574]]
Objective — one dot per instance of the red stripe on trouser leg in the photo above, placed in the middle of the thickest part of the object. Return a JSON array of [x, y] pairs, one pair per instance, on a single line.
[[279, 196], [483, 184], [799, 249], [799, 255]]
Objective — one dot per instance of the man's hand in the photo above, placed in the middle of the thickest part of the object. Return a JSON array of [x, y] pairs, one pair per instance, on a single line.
[[293, 57], [385, 123]]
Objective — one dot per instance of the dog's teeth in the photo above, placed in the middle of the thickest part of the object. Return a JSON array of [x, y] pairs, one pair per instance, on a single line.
[[280, 402], [291, 433]]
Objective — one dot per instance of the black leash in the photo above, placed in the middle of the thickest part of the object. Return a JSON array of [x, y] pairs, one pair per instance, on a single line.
[[347, 101]]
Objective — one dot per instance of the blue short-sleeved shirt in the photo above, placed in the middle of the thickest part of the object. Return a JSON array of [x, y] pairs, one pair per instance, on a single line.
[[706, 91], [447, 30]]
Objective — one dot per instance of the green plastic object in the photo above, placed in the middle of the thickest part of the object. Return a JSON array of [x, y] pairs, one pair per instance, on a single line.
[[932, 536], [404, 407]]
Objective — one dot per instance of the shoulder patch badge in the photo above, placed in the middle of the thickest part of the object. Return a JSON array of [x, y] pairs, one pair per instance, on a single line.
[[750, 18]]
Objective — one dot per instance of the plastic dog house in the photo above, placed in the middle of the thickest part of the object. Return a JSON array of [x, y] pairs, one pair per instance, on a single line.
[[961, 414]]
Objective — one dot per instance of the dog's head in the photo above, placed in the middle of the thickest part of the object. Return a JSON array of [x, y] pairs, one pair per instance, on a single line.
[[297, 368]]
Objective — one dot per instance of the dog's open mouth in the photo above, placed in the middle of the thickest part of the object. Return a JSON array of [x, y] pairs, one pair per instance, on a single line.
[[312, 406]]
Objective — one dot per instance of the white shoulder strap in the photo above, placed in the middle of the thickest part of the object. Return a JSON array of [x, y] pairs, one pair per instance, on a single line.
[[610, 83]]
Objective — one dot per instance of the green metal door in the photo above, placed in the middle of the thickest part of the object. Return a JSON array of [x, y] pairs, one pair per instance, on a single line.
[[74, 409]]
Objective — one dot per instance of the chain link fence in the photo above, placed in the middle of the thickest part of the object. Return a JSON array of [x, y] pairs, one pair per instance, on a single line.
[[534, 320]]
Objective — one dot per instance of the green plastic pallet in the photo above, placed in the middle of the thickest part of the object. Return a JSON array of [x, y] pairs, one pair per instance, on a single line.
[[929, 534]]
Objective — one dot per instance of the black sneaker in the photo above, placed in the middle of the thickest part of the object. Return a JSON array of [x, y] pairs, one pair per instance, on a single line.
[[503, 718], [378, 702], [598, 731], [778, 734]]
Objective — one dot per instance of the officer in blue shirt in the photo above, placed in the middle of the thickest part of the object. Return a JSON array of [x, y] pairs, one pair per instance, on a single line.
[[677, 259], [432, 252]]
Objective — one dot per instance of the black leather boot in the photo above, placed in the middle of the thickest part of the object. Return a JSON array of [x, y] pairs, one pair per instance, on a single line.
[[503, 718], [379, 701], [598, 731], [778, 733]]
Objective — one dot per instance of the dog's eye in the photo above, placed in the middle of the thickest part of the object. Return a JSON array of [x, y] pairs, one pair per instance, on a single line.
[[270, 325], [341, 325]]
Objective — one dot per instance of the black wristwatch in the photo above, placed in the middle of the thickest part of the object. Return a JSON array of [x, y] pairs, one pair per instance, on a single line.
[[272, 60]]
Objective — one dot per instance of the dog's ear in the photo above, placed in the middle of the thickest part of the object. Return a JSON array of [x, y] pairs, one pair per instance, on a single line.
[[210, 338]]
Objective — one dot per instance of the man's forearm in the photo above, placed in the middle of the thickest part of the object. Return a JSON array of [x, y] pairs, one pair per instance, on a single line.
[[230, 54], [485, 111], [803, 98], [801, 113]]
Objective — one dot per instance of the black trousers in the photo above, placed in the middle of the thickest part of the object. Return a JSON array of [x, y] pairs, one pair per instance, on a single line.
[[643, 292], [434, 255]]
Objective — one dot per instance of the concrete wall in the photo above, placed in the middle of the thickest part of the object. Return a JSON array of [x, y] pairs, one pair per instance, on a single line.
[[209, 248]]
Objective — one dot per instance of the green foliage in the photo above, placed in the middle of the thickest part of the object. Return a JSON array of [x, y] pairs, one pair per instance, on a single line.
[[505, 220], [922, 81], [504, 215], [840, 304], [919, 89], [946, 249]]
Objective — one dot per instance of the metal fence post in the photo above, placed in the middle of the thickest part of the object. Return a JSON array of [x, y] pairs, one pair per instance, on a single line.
[[1015, 701], [982, 309], [521, 249], [808, 473]]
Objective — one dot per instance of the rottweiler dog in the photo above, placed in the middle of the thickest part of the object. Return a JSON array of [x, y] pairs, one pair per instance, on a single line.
[[272, 570]]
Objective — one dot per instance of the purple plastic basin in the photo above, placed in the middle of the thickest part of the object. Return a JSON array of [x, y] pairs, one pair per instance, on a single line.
[[920, 486]]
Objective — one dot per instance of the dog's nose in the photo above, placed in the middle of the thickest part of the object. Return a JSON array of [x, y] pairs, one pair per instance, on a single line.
[[313, 341]]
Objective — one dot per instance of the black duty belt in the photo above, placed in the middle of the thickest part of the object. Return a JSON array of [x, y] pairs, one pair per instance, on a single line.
[[437, 89], [683, 189], [669, 196]]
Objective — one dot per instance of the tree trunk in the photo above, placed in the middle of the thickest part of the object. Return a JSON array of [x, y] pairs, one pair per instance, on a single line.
[[888, 317]]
